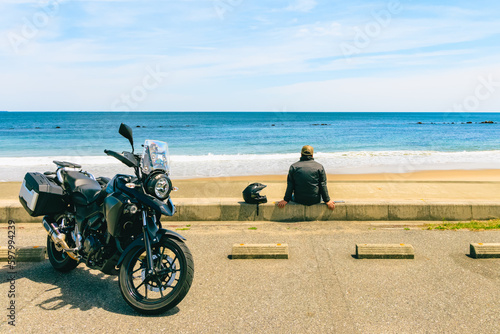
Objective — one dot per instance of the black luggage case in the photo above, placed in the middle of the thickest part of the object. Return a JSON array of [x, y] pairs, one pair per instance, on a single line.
[[41, 196]]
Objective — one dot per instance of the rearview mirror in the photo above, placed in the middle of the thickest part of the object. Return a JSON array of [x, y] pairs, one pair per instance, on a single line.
[[126, 132]]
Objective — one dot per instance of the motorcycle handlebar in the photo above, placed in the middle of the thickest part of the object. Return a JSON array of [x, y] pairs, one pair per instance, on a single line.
[[122, 158]]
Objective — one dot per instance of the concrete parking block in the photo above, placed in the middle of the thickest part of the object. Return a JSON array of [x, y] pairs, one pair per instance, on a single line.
[[457, 211], [366, 211], [259, 251], [484, 211], [385, 251], [321, 212], [482, 250], [199, 212], [31, 254], [409, 211], [238, 212], [24, 254], [291, 212], [4, 254]]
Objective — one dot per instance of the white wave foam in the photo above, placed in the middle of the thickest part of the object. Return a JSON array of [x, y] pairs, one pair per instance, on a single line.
[[185, 166]]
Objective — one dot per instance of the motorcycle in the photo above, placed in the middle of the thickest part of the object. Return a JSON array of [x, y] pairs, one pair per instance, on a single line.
[[114, 225]]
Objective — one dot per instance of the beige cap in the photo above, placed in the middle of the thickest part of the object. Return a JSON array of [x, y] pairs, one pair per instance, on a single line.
[[307, 150]]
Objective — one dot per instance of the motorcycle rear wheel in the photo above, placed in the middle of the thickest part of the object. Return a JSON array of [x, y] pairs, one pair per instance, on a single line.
[[165, 289], [59, 259]]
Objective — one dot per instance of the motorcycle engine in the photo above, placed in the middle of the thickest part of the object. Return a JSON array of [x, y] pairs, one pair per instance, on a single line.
[[92, 245]]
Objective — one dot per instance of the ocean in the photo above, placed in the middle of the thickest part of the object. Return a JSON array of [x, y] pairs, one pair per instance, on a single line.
[[217, 144]]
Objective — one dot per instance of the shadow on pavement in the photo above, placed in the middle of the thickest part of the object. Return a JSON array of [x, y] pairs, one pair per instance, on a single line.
[[81, 288]]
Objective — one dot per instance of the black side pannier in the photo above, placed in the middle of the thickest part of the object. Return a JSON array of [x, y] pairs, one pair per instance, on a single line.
[[41, 196]]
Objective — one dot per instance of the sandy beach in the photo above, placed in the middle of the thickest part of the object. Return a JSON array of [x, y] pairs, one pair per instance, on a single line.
[[433, 175], [452, 185]]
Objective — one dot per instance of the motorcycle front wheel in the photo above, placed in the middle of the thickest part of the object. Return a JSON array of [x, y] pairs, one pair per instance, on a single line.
[[160, 292]]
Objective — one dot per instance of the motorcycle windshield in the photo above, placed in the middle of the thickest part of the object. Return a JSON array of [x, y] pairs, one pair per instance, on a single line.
[[155, 156]]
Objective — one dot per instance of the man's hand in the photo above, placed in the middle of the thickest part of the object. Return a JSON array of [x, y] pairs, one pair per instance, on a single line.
[[330, 204], [282, 203]]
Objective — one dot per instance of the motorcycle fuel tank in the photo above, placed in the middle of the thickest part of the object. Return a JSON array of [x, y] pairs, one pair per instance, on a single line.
[[113, 208]]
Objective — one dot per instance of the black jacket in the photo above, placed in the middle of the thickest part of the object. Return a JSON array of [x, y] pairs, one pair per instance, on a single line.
[[307, 181]]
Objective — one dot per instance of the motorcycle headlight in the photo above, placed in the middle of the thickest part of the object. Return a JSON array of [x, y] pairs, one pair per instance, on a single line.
[[159, 185]]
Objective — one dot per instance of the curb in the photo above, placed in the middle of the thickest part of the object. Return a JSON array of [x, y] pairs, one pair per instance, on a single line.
[[354, 211]]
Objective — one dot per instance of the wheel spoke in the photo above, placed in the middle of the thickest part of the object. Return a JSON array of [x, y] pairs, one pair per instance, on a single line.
[[165, 272], [160, 261], [144, 281], [168, 286], [160, 286]]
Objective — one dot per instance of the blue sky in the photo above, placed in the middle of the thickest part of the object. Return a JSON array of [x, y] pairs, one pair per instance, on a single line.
[[242, 55]]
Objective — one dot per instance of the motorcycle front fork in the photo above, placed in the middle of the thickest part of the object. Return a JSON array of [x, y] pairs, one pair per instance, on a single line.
[[147, 244]]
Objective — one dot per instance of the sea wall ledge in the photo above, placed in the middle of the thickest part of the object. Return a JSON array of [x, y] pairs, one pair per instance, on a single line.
[[357, 211]]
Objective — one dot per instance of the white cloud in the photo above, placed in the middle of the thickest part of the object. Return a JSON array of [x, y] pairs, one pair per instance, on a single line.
[[85, 62], [430, 91], [320, 29]]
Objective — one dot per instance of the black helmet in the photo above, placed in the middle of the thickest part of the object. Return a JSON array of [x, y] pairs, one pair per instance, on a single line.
[[251, 194]]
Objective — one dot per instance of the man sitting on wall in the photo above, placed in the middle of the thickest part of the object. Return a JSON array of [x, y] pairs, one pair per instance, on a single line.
[[306, 182]]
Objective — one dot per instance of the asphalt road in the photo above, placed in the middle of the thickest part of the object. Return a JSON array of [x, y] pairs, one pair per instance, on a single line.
[[321, 288]]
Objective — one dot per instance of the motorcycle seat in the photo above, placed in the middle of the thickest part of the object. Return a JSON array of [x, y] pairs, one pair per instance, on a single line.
[[84, 190]]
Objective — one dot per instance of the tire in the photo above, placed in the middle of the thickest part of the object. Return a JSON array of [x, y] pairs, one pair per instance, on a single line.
[[59, 259], [165, 289]]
